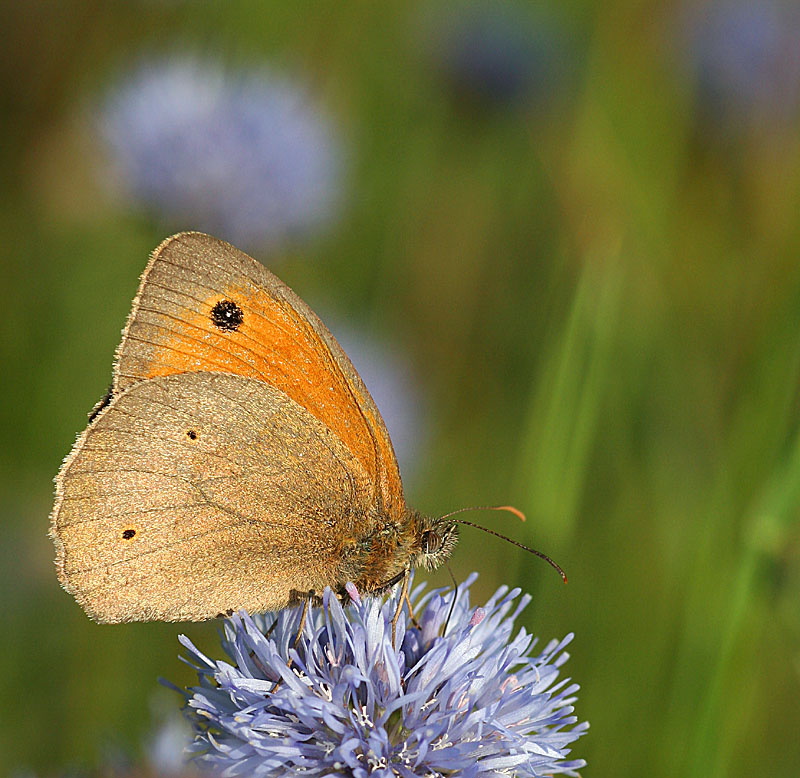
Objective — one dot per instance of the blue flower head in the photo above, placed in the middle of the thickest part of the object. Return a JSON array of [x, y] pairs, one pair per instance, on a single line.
[[465, 696], [243, 154]]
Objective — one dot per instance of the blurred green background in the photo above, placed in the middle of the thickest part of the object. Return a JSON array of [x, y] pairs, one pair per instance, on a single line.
[[583, 252]]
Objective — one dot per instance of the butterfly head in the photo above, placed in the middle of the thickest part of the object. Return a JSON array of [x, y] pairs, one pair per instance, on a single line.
[[437, 538]]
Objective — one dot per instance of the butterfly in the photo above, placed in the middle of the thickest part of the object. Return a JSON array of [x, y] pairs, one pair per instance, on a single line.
[[237, 461]]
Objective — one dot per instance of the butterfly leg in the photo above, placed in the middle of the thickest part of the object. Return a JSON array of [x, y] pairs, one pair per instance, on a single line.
[[271, 627], [403, 599], [252, 654], [411, 612], [306, 606]]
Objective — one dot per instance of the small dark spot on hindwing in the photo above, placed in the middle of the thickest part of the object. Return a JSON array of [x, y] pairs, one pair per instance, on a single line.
[[128, 534]]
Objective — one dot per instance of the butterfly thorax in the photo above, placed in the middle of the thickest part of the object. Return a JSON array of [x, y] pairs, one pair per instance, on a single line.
[[380, 559]]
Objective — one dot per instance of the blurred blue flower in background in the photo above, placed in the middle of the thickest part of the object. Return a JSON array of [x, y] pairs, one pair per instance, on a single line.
[[499, 55], [744, 57], [243, 154], [464, 696], [166, 748], [393, 386]]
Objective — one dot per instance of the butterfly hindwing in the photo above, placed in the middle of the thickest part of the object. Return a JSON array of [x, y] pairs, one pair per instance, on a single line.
[[209, 487]]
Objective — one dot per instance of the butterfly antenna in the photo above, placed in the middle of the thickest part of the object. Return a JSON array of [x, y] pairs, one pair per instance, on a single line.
[[453, 602], [507, 508], [514, 543]]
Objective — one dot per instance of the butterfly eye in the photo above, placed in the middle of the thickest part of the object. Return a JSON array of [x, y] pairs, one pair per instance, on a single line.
[[431, 542]]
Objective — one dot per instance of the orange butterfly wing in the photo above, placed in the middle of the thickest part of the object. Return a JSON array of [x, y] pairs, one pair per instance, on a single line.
[[205, 306]]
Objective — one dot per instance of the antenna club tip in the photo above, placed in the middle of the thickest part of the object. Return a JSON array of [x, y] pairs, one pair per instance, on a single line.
[[511, 509]]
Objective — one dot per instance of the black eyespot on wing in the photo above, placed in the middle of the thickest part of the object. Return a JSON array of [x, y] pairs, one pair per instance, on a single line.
[[227, 316], [191, 434], [128, 534]]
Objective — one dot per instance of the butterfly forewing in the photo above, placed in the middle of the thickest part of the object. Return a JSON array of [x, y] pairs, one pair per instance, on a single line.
[[203, 305]]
